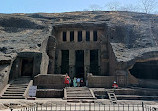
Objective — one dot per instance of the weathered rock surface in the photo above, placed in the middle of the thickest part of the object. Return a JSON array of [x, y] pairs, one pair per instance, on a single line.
[[19, 34], [132, 36], [128, 32]]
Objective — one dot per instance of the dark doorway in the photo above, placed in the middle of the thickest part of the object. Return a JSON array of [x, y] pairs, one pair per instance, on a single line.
[[94, 69], [79, 66], [65, 61], [145, 70], [27, 67]]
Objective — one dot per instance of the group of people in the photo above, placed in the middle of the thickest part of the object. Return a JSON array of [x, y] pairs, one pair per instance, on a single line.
[[76, 82]]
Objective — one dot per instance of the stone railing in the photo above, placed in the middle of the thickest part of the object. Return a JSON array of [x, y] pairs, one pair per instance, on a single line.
[[101, 81]]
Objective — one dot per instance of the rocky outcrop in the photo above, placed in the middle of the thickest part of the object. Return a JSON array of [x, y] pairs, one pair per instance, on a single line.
[[20, 34], [131, 36]]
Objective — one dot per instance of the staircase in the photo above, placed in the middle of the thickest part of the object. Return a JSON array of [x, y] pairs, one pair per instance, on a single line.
[[112, 96], [78, 93], [17, 89]]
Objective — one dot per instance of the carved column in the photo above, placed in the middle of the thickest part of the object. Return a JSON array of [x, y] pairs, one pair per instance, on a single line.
[[86, 62], [72, 63], [75, 35], [91, 35], [68, 36], [84, 35]]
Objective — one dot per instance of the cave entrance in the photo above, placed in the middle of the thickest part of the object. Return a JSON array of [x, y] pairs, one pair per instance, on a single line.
[[94, 62], [79, 63], [145, 70], [27, 67], [65, 62]]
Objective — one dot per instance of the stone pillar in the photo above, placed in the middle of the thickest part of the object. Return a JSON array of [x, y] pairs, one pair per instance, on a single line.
[[91, 35], [58, 63], [61, 36], [68, 36], [75, 35], [99, 61], [98, 57], [72, 63], [86, 62], [104, 62], [84, 35]]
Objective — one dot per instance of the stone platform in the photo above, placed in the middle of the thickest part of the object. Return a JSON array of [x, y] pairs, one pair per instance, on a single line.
[[134, 93]]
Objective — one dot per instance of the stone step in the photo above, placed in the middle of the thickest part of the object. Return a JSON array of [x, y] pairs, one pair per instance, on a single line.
[[110, 91], [20, 82], [18, 86], [80, 98], [12, 97], [16, 90], [7, 92], [75, 89], [78, 93], [136, 97]]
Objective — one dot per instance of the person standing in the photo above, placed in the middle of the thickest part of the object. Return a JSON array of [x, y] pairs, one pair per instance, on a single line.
[[67, 80], [78, 82], [74, 82]]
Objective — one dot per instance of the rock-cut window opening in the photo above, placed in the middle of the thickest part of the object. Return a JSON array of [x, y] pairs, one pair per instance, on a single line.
[[79, 36], [64, 36], [87, 35], [71, 36], [95, 36]]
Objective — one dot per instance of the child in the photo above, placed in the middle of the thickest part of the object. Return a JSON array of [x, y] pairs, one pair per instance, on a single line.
[[115, 86]]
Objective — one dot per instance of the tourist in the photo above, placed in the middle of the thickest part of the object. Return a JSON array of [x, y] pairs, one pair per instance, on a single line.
[[70, 83], [81, 82], [74, 82], [78, 82], [67, 80], [115, 86]]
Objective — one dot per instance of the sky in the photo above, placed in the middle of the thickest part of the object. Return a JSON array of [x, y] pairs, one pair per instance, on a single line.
[[53, 6]]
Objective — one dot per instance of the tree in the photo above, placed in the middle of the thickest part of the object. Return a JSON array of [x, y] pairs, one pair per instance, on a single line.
[[148, 5], [129, 7], [113, 6]]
